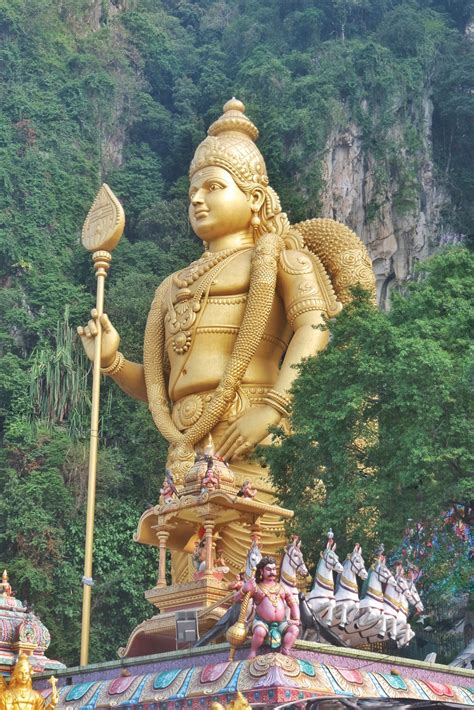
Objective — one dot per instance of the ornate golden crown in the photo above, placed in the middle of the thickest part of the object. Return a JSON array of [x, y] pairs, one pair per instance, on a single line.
[[230, 145]]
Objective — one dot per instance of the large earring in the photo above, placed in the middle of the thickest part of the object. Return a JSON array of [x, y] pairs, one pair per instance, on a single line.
[[255, 221]]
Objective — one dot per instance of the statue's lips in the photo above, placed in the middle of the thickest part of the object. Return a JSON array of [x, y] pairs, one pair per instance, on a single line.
[[201, 213]]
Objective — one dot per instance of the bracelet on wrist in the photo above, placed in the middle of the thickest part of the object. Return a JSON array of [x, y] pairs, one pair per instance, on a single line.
[[116, 366], [280, 402]]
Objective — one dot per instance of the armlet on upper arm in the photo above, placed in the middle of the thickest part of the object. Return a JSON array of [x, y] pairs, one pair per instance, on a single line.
[[305, 286]]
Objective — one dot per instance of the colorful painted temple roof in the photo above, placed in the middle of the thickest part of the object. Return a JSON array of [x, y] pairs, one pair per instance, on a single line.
[[266, 681]]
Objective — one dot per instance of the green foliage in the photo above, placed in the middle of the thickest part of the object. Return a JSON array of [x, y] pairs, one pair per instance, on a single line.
[[43, 490], [125, 97], [452, 123], [58, 381], [382, 419]]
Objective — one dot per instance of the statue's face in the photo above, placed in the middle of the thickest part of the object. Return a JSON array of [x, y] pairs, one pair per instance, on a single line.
[[217, 206], [269, 573], [22, 675]]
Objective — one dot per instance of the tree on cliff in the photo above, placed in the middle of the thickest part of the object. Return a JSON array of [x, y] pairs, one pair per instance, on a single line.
[[382, 420]]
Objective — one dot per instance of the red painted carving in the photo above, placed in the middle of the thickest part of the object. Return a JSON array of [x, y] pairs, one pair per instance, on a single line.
[[212, 672], [351, 676]]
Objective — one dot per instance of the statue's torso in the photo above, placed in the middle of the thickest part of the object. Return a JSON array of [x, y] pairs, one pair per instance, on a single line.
[[214, 329], [272, 607], [21, 699]]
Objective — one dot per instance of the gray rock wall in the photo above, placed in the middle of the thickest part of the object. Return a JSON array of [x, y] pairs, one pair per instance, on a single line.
[[396, 234]]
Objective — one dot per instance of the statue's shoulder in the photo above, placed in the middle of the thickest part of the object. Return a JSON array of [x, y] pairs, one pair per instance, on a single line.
[[296, 259], [295, 262], [304, 283], [166, 283], [341, 252], [161, 291]]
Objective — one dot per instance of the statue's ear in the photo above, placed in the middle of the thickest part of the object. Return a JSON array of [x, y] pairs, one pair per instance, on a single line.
[[257, 198]]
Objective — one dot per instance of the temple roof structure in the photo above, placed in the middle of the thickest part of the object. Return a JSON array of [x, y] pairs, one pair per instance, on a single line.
[[21, 630], [193, 678]]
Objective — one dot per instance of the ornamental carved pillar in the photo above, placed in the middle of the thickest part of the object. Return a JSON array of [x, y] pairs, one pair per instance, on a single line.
[[162, 536], [208, 542], [255, 530]]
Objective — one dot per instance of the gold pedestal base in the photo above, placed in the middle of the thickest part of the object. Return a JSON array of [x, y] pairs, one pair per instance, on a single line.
[[158, 634], [229, 522], [191, 595]]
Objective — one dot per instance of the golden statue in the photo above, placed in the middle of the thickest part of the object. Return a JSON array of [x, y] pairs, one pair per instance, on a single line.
[[5, 586], [224, 333], [19, 695], [240, 703]]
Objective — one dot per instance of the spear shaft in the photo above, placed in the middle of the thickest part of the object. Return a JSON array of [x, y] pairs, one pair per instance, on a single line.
[[101, 261], [100, 234]]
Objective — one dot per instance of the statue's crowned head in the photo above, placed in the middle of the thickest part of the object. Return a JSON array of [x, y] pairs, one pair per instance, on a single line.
[[230, 145], [21, 676]]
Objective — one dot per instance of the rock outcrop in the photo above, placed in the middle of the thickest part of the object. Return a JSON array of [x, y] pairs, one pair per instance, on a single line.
[[365, 194]]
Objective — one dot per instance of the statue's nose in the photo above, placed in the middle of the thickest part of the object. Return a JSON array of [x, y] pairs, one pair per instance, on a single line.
[[197, 198]]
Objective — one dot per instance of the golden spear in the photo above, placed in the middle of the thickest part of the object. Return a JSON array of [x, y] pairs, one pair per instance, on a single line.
[[101, 233]]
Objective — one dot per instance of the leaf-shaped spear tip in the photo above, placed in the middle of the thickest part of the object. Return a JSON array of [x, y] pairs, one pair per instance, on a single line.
[[104, 223]]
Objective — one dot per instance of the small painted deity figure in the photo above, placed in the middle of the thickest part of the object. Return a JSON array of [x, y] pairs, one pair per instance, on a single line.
[[237, 585], [247, 490], [20, 694], [5, 585], [210, 480], [168, 490], [271, 601], [220, 566], [199, 558]]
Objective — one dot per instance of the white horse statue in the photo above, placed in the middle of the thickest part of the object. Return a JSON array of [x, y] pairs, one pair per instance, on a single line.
[[292, 565], [396, 599], [321, 598], [370, 618], [251, 561], [392, 600], [347, 591], [404, 631]]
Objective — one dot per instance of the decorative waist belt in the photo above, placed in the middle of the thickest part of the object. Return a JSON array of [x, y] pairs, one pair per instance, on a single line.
[[187, 410]]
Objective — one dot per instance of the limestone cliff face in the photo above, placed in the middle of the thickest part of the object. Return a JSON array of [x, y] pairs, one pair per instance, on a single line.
[[88, 18], [91, 15], [397, 231]]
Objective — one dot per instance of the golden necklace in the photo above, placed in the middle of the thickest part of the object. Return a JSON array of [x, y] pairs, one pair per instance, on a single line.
[[198, 268], [183, 308], [272, 593]]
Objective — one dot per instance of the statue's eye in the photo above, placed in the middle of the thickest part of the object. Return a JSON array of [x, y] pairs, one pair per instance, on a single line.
[[215, 186]]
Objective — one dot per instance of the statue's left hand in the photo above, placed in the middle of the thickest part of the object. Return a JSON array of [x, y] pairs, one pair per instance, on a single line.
[[54, 697], [248, 431]]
